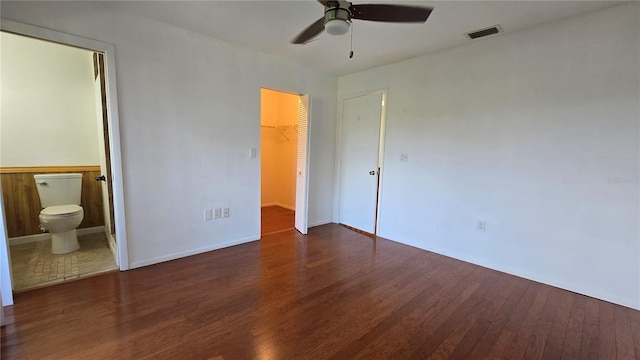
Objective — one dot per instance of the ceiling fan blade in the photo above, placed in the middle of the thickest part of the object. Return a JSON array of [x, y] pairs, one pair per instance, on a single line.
[[390, 13], [309, 33]]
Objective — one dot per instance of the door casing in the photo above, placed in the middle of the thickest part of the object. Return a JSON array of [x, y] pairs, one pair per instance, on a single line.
[[301, 217]]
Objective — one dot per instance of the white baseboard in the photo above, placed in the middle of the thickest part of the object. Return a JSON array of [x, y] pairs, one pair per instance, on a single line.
[[280, 205], [159, 259], [286, 206], [46, 236], [592, 292], [318, 223]]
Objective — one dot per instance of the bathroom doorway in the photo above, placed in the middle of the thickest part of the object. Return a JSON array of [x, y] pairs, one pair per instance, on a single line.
[[71, 127], [283, 159]]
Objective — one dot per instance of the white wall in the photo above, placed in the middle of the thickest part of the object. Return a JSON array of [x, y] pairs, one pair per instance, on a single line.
[[48, 114], [189, 109], [278, 172], [536, 133]]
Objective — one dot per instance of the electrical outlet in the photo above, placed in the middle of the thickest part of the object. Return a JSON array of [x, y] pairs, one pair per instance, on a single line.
[[218, 213], [482, 226], [225, 212], [208, 215], [253, 153]]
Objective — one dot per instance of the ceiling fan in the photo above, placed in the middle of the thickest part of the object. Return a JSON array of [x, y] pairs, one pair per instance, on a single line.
[[338, 15]]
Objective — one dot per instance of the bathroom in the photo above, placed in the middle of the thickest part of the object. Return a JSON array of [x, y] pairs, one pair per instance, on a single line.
[[51, 122]]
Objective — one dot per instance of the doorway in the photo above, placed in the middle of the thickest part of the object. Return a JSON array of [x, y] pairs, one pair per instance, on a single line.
[[53, 124], [283, 159], [362, 135], [103, 77]]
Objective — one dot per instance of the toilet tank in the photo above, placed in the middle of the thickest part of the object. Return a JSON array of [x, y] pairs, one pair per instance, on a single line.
[[59, 189]]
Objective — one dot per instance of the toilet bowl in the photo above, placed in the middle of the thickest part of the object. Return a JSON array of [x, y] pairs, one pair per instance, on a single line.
[[61, 221], [61, 214]]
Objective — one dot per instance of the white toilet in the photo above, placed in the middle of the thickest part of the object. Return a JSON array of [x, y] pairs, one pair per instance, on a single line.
[[61, 214]]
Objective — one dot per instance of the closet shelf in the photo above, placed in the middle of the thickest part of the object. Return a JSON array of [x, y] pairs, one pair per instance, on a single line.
[[281, 127]]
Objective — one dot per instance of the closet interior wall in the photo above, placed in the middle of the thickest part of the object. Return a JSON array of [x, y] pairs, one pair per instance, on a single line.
[[279, 139]]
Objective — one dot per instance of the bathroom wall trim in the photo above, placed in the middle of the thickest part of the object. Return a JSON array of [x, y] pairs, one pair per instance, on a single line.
[[46, 169], [159, 259], [46, 236]]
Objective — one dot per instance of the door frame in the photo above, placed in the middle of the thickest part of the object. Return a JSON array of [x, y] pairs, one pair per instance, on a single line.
[[114, 139], [303, 225], [307, 160], [381, 150]]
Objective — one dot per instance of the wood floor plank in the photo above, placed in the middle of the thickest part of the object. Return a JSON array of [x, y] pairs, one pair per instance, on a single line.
[[462, 340], [553, 346], [538, 338], [490, 336], [331, 294], [506, 337], [589, 345], [464, 314], [504, 295], [606, 331], [624, 335], [523, 336], [634, 322], [276, 219], [573, 336], [391, 337]]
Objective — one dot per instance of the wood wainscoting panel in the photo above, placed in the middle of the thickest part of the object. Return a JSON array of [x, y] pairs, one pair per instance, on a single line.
[[48, 169], [91, 200], [22, 204]]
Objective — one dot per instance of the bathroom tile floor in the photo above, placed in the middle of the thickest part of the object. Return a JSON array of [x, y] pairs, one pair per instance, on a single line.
[[33, 265]]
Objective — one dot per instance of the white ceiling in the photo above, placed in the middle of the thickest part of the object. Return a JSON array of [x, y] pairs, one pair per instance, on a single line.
[[269, 26]]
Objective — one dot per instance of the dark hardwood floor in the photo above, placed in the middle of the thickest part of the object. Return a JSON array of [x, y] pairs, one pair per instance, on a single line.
[[276, 219], [333, 294]]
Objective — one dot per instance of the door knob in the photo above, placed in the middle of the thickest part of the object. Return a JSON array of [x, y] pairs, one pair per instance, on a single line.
[[372, 172], [101, 178]]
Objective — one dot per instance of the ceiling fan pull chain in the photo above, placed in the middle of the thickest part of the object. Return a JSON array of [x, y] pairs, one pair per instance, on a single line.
[[351, 43]]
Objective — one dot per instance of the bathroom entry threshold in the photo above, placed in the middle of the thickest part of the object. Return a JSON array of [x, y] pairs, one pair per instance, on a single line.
[[34, 266], [58, 282]]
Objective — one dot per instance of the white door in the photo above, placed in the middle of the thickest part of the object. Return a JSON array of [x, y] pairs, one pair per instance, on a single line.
[[361, 118], [103, 145], [302, 170]]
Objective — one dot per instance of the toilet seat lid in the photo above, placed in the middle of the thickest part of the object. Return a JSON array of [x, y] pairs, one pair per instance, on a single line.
[[61, 210]]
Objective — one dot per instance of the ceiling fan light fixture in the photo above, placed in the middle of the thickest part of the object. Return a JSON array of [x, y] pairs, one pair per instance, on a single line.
[[337, 20], [337, 27]]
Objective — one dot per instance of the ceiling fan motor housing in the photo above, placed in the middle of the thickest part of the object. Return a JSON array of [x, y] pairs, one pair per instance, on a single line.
[[337, 20]]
